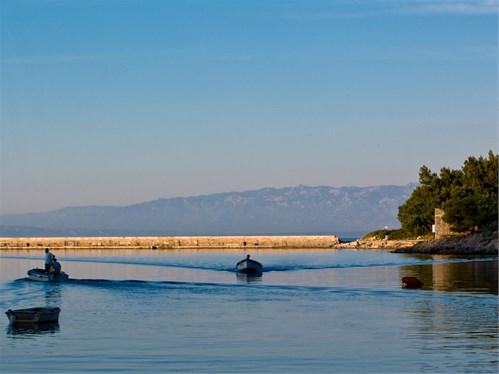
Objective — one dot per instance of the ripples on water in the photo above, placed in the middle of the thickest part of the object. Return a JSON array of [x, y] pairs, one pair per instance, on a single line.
[[310, 311]]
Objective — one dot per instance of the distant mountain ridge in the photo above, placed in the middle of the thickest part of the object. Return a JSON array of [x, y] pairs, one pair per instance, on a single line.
[[296, 210]]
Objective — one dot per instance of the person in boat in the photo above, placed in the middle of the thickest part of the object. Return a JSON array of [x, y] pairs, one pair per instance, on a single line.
[[56, 266], [49, 257]]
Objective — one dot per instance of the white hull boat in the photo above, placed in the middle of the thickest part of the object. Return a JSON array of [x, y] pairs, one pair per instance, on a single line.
[[249, 266], [41, 275], [33, 315]]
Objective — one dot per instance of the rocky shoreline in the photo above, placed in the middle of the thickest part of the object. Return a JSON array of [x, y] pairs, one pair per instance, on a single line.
[[378, 244], [477, 244]]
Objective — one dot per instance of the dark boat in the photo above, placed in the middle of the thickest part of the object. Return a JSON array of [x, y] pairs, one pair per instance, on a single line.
[[41, 275], [249, 266], [33, 315]]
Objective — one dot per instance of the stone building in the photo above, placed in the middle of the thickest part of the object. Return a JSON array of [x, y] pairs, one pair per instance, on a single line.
[[442, 228]]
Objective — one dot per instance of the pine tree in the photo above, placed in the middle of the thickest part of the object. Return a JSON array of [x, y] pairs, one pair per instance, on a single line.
[[468, 197]]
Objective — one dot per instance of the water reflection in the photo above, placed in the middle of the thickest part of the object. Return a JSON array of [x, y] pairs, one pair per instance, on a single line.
[[444, 324], [53, 296], [466, 276], [249, 278], [33, 328]]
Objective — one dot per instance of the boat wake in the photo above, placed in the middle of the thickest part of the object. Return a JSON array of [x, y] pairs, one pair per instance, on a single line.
[[260, 291], [271, 264]]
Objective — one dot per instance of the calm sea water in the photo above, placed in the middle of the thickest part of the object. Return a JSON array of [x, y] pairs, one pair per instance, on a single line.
[[311, 311]]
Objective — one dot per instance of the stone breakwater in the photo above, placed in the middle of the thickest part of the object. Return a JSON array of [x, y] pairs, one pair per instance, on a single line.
[[173, 242], [473, 245]]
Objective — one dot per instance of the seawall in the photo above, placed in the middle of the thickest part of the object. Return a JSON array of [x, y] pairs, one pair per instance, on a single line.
[[173, 242]]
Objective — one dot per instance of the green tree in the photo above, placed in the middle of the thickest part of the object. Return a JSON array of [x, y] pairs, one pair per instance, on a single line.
[[417, 214], [468, 197], [473, 203]]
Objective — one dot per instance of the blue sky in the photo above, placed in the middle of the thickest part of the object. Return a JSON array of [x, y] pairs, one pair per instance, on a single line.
[[120, 102]]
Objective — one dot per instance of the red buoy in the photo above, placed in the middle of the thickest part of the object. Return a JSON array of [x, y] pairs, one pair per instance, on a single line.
[[411, 282]]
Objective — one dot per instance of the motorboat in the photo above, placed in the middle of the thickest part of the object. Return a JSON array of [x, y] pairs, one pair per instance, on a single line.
[[33, 315], [42, 276], [249, 266]]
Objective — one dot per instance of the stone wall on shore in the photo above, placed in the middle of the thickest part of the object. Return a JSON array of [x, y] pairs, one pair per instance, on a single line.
[[173, 242]]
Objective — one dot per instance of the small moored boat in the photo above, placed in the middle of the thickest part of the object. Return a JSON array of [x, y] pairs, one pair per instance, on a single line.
[[42, 276], [249, 266], [33, 315]]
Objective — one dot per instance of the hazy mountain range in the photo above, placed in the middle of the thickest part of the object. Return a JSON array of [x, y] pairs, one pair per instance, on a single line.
[[292, 210]]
